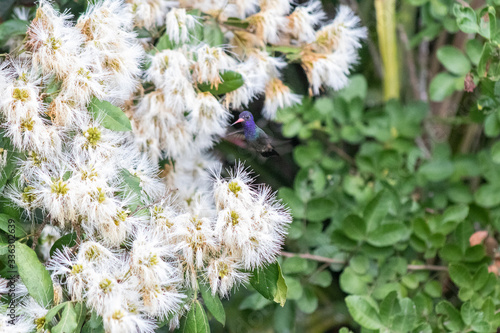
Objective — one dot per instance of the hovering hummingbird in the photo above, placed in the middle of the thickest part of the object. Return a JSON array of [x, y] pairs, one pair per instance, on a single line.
[[256, 138]]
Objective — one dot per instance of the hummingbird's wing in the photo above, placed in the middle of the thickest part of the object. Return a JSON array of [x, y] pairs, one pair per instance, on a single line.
[[263, 144]]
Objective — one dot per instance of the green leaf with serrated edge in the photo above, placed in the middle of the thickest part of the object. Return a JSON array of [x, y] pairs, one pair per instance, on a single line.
[[111, 117], [34, 275], [68, 240], [230, 81], [131, 189], [53, 312], [387, 234], [195, 321], [282, 289], [460, 275], [363, 312], [11, 226], [406, 320], [213, 304]]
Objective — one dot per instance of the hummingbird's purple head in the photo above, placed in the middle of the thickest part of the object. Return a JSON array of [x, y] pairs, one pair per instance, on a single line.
[[244, 116]]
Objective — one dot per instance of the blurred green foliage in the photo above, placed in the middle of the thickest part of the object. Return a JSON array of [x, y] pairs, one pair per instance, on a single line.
[[386, 196]]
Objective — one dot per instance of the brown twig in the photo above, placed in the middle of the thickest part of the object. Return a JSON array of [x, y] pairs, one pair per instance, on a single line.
[[410, 62], [345, 262], [342, 154], [39, 232]]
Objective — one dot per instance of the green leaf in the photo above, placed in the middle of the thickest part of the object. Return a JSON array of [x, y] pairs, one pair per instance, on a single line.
[[254, 302], [453, 60], [94, 324], [131, 188], [111, 117], [388, 234], [308, 303], [466, 18], [491, 125], [453, 320], [71, 319], [495, 152], [473, 48], [389, 308], [322, 279], [34, 275], [468, 313], [11, 226], [68, 240], [196, 320], [359, 264], [8, 169], [292, 200], [280, 295], [212, 34], [319, 209], [352, 283], [451, 252], [363, 312], [437, 170], [354, 227], [230, 81], [376, 210], [164, 43], [269, 282], [53, 312], [433, 288], [442, 86], [213, 304], [294, 265], [460, 275], [12, 28], [486, 196], [406, 320], [456, 213], [236, 22]]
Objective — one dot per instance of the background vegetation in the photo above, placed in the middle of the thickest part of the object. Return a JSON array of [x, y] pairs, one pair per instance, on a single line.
[[393, 182]]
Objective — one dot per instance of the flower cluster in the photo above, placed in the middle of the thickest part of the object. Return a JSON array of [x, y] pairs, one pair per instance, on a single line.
[[148, 237]]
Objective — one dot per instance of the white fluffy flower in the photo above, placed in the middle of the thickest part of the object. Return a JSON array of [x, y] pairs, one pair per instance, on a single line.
[[303, 20], [278, 96], [179, 25]]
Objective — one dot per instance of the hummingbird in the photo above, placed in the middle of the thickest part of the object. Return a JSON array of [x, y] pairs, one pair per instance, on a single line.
[[255, 137]]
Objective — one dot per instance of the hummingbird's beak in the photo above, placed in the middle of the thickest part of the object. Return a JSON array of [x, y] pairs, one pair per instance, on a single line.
[[238, 121]]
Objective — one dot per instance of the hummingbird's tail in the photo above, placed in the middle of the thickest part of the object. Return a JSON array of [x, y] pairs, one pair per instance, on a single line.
[[270, 153]]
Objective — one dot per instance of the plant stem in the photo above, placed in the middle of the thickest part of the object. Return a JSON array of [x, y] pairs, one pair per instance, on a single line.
[[386, 29], [345, 262]]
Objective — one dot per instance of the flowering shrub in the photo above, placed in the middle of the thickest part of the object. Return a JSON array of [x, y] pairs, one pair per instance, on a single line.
[[92, 105]]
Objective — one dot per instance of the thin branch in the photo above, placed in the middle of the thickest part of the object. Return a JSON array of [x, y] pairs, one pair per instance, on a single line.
[[342, 154], [410, 62], [39, 232], [345, 262]]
